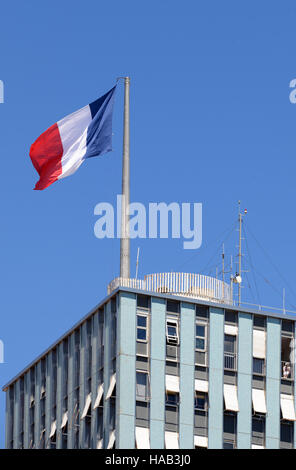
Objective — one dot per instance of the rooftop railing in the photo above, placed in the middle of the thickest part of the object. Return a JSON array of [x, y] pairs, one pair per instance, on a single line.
[[184, 284]]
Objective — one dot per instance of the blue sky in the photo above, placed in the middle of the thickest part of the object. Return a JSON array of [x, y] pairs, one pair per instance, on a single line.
[[211, 122]]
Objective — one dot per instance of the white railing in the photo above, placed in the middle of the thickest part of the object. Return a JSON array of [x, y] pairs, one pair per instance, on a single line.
[[265, 308], [185, 284]]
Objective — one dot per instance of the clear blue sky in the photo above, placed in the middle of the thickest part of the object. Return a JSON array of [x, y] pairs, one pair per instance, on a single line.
[[211, 122]]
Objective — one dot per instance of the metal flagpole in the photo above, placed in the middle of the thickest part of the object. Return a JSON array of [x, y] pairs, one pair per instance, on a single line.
[[125, 241]]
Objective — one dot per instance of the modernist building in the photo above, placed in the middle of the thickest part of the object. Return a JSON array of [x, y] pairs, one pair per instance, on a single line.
[[167, 362]]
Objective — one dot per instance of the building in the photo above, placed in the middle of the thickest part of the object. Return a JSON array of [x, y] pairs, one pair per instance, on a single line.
[[164, 362]]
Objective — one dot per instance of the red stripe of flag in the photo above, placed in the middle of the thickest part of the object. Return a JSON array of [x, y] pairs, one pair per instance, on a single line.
[[46, 154]]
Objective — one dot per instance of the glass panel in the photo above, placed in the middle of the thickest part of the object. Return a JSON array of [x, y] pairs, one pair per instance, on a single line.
[[200, 402], [229, 423], [172, 331], [172, 398], [258, 366], [141, 334], [229, 343], [141, 321], [200, 344], [143, 301], [286, 432], [141, 379], [200, 330], [257, 426]]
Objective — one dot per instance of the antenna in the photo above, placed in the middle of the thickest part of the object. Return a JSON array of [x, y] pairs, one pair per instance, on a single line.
[[223, 263], [137, 263], [239, 253], [284, 301], [238, 277], [223, 270]]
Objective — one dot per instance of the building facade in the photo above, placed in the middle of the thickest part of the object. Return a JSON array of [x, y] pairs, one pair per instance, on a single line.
[[149, 369]]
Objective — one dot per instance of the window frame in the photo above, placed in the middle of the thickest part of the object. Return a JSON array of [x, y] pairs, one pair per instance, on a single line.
[[147, 386], [170, 338], [145, 328], [204, 338], [204, 397]]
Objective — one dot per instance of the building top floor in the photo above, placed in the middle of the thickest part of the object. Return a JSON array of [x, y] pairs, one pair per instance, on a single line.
[[173, 302]]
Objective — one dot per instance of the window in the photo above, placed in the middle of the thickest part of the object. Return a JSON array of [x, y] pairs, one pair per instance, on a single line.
[[172, 331], [258, 429], [229, 428], [142, 386], [142, 328], [288, 326], [143, 301], [172, 399], [230, 352], [230, 317], [228, 445], [230, 423], [258, 366], [287, 434], [287, 356], [172, 411], [173, 306], [202, 311], [200, 337], [259, 321], [229, 344], [200, 402]]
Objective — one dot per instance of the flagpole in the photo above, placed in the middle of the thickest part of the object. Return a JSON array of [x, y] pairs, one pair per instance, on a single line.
[[125, 241]]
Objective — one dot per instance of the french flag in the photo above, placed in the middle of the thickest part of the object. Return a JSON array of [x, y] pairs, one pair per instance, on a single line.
[[62, 148]]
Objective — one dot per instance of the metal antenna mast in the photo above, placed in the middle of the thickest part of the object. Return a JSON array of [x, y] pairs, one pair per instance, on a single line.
[[239, 253], [125, 241], [238, 277]]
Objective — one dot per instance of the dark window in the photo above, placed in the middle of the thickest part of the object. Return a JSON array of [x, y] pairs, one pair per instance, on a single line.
[[230, 317], [173, 306], [143, 301], [202, 311], [258, 425], [259, 321], [172, 399], [288, 325], [200, 401], [258, 366], [141, 321], [229, 423], [287, 432]]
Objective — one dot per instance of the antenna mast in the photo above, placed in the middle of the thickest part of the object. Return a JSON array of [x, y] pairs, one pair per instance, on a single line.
[[239, 253], [238, 277]]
